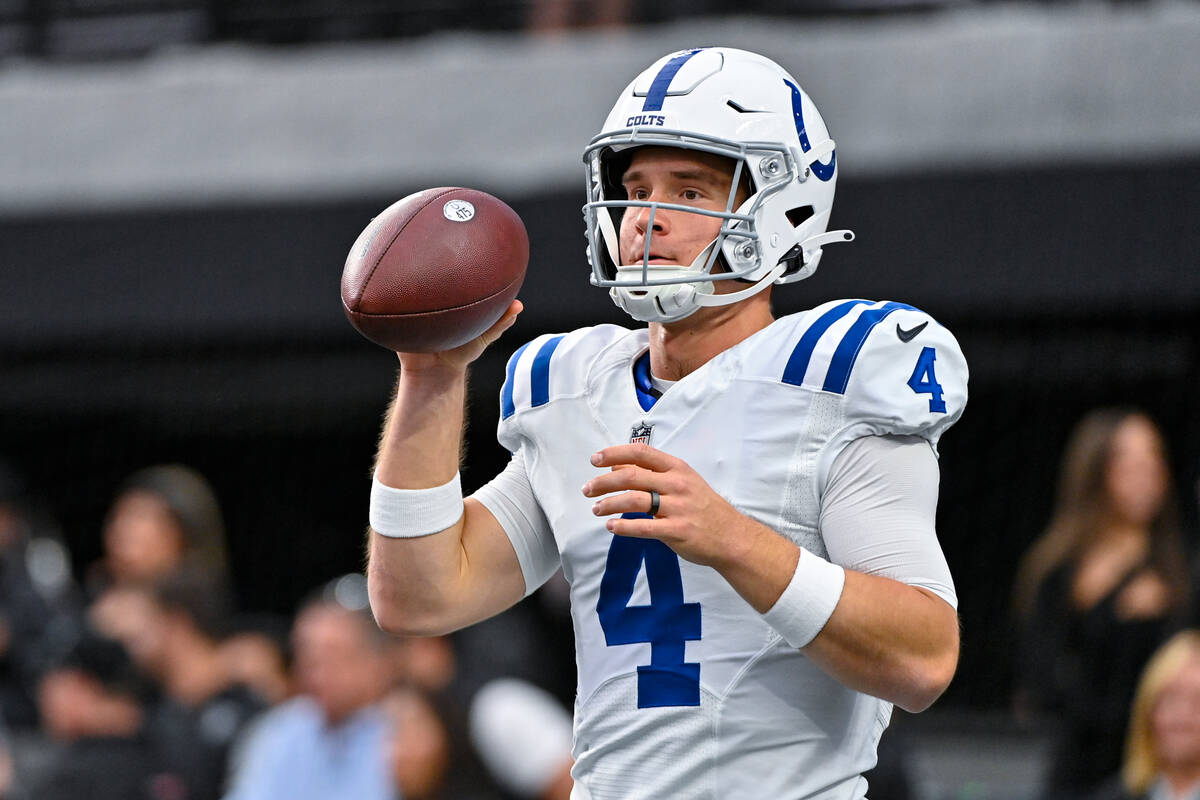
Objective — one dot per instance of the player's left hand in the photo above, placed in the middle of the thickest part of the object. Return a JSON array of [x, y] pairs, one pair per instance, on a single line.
[[692, 519]]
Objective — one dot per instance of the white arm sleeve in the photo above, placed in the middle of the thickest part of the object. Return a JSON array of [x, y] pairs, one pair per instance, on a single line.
[[877, 513], [510, 498]]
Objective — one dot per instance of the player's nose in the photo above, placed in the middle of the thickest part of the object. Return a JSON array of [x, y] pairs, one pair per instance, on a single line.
[[644, 217]]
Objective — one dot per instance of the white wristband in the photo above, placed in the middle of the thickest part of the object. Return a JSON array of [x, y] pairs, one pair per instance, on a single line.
[[808, 601], [408, 513]]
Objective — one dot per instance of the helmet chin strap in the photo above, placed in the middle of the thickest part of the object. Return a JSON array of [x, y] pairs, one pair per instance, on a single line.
[[706, 297], [710, 300]]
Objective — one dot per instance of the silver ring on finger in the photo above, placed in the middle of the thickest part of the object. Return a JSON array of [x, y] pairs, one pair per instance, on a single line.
[[655, 501]]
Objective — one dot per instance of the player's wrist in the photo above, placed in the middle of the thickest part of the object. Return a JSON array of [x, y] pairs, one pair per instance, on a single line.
[[411, 513], [752, 543], [808, 601], [432, 368], [431, 389]]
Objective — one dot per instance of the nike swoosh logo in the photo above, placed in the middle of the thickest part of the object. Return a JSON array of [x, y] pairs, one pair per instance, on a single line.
[[908, 335]]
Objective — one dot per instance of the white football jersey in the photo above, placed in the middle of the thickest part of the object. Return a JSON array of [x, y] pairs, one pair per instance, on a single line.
[[684, 690]]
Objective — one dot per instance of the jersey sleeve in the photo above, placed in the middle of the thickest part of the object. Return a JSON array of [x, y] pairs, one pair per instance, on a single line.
[[509, 497], [878, 513], [543, 370], [892, 369]]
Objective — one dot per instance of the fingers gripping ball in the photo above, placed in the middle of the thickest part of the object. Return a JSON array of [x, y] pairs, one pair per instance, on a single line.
[[435, 270]]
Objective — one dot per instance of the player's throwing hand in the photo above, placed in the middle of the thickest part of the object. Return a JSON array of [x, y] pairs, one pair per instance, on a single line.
[[457, 359]]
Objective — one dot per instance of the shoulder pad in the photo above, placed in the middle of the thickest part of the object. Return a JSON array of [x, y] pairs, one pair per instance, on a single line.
[[897, 369], [552, 365]]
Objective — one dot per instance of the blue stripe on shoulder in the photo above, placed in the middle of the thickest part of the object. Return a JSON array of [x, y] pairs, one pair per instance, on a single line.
[[838, 376], [797, 364], [507, 406], [539, 381]]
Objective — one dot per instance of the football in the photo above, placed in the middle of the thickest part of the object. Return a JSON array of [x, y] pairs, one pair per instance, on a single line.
[[434, 270]]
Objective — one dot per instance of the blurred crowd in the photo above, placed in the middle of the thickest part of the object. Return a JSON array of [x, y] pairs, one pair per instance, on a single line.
[[138, 676], [1110, 580], [124, 28]]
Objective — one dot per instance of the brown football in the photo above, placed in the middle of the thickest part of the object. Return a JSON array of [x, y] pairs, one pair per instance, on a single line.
[[434, 270]]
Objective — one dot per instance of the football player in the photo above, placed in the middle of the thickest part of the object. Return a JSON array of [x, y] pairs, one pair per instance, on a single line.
[[743, 506]]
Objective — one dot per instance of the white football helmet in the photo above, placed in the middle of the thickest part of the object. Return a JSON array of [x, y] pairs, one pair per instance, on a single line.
[[735, 104]]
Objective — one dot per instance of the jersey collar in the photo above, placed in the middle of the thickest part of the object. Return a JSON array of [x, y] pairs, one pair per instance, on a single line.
[[647, 395]]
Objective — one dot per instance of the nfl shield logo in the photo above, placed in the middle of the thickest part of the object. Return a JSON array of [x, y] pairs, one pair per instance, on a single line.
[[641, 434]]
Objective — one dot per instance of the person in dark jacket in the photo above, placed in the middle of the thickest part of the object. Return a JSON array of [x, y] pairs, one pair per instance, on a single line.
[[1102, 588], [93, 704]]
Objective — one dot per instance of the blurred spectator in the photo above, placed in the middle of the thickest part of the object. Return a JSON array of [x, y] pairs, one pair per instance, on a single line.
[[1099, 591], [1162, 751], [162, 518], [255, 655], [431, 667], [418, 745], [10, 789], [428, 663], [36, 593], [523, 735], [173, 627], [329, 740], [93, 703], [559, 16]]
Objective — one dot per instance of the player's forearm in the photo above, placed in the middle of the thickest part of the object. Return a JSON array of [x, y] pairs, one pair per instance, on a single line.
[[890, 640], [885, 638], [435, 584], [413, 581], [757, 562], [422, 437]]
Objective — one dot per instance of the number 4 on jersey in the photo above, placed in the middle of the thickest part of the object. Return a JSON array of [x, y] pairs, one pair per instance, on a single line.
[[668, 622], [923, 381]]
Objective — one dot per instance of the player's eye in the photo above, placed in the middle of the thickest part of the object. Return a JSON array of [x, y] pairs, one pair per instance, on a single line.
[[639, 194], [692, 195]]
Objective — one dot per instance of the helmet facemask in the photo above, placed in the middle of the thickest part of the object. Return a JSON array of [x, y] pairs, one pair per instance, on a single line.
[[661, 292]]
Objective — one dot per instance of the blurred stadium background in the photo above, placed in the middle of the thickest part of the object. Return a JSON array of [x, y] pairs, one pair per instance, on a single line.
[[180, 181]]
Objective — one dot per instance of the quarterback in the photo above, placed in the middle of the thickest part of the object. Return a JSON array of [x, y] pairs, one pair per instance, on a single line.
[[743, 506]]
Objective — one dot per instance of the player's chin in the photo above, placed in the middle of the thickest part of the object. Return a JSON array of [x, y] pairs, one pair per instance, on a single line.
[[658, 261]]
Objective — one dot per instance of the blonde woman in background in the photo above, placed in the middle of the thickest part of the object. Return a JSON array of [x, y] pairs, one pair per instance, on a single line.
[[1162, 752]]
